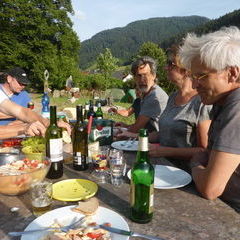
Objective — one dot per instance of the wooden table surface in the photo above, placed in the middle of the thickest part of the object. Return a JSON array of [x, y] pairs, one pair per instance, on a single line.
[[180, 214]]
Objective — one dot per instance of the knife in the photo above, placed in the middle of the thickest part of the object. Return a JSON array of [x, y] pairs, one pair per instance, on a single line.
[[128, 233]]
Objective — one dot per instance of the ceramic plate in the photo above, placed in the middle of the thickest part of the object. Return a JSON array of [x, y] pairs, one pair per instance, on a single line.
[[167, 177], [74, 189], [126, 145], [65, 216]]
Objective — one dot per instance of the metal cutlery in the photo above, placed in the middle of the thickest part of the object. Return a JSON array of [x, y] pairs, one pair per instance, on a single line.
[[128, 233], [132, 141], [128, 143], [125, 143], [63, 229]]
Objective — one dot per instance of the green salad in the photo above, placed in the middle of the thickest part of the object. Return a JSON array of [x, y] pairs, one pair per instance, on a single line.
[[33, 145]]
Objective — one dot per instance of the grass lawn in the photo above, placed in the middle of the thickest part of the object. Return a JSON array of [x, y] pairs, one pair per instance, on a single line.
[[63, 102]]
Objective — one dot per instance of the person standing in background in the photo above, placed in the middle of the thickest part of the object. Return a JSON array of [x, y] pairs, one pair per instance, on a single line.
[[15, 81]]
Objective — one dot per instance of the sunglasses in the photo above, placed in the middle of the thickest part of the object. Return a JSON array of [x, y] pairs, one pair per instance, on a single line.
[[171, 64], [21, 84]]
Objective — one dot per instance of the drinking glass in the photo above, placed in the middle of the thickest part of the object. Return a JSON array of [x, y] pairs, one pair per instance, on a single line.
[[100, 164], [117, 165], [41, 197]]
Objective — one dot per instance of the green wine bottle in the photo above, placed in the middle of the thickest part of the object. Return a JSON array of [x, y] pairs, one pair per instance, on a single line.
[[99, 113], [54, 146], [142, 183], [80, 142]]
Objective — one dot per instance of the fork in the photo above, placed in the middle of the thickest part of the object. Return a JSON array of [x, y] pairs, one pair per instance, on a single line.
[[63, 229], [125, 143], [131, 142]]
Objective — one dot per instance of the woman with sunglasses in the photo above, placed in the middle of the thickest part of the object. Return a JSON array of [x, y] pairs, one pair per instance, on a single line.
[[184, 124]]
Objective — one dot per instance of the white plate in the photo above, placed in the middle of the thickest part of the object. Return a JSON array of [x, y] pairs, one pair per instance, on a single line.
[[125, 145], [167, 177], [65, 215]]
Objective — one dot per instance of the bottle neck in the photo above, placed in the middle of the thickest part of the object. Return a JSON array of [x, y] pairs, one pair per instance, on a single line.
[[79, 114], [91, 108], [53, 115], [143, 149]]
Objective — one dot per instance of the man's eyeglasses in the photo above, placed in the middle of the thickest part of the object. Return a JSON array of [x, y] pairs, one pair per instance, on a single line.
[[199, 76]]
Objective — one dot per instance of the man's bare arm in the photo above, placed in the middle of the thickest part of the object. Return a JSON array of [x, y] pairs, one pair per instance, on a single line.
[[212, 179], [24, 114], [140, 123]]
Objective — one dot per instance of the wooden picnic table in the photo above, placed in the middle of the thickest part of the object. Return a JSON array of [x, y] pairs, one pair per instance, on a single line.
[[180, 214]]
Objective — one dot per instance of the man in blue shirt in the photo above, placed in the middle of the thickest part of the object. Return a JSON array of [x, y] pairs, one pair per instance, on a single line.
[[15, 81]]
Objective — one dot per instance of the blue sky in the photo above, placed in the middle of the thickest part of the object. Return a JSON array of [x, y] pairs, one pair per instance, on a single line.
[[93, 16]]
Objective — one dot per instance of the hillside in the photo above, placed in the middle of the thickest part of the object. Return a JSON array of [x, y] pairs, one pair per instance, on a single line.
[[229, 19], [124, 42]]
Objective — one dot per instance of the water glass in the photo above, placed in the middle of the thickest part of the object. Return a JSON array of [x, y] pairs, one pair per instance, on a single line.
[[117, 165], [41, 197]]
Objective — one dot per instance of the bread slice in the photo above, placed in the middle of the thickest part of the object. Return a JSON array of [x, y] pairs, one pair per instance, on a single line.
[[87, 207]]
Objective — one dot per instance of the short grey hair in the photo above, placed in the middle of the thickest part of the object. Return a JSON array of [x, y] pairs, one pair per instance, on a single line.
[[217, 50], [144, 61]]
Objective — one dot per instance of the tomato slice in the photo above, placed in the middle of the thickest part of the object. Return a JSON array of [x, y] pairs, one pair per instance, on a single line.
[[94, 235]]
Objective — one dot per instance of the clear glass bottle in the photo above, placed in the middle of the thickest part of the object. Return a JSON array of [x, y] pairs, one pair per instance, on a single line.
[[54, 146], [80, 142], [142, 183]]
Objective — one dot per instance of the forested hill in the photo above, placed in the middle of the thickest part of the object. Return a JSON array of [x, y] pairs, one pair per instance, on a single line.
[[230, 19], [124, 42]]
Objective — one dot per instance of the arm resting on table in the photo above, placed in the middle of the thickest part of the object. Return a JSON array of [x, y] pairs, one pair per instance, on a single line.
[[212, 179]]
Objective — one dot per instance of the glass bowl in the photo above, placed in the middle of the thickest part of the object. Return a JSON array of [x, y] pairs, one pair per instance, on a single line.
[[17, 173]]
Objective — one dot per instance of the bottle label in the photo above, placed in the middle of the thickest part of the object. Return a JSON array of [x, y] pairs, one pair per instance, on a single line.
[[104, 132], [151, 199], [56, 149], [78, 158], [133, 193], [143, 144]]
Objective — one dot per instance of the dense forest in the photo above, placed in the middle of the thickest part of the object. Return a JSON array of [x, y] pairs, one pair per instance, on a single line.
[[229, 19], [125, 42]]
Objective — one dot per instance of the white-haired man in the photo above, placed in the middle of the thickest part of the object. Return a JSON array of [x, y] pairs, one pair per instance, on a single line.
[[214, 60]]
